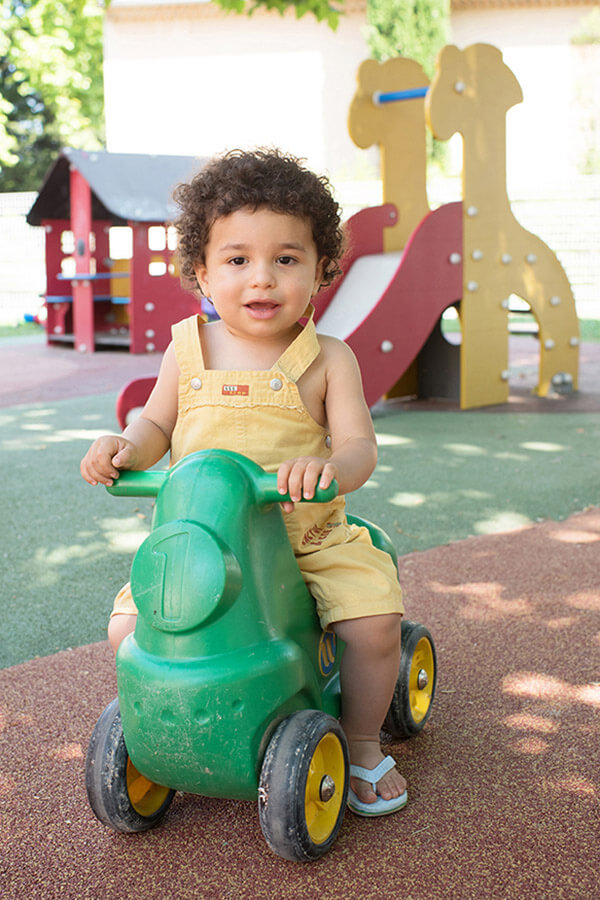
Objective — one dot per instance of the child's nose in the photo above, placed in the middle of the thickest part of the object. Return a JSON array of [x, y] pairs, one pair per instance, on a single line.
[[262, 275]]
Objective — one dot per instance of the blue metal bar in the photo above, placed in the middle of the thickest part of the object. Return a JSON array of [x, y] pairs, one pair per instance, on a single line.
[[394, 96]]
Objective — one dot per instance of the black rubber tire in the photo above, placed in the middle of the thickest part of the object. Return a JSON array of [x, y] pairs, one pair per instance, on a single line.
[[107, 767], [297, 822], [411, 706]]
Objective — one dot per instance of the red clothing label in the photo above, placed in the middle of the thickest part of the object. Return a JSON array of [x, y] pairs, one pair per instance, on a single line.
[[235, 390]]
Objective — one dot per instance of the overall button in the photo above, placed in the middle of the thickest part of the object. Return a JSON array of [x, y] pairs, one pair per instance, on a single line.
[[276, 384], [196, 383]]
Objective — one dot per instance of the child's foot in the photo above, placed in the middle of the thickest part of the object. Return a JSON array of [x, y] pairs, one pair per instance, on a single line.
[[368, 754]]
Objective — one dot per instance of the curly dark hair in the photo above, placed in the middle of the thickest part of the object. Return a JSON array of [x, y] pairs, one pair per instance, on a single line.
[[257, 179]]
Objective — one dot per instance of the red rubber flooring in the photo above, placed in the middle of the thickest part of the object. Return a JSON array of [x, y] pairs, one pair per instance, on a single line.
[[504, 782]]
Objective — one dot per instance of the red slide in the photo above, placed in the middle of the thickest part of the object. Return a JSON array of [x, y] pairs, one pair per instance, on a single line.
[[386, 305]]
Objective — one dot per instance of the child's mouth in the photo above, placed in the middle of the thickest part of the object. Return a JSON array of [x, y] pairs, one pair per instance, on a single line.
[[262, 309]]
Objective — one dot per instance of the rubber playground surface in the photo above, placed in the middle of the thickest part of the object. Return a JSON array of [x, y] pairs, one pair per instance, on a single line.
[[496, 517]]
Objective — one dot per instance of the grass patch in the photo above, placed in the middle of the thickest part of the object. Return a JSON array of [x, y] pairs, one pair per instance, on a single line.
[[22, 330], [589, 328]]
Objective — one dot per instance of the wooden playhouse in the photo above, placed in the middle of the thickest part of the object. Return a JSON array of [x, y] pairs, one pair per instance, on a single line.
[[111, 273]]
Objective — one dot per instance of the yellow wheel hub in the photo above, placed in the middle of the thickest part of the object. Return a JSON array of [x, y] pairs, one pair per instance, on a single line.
[[422, 671], [145, 796], [324, 788]]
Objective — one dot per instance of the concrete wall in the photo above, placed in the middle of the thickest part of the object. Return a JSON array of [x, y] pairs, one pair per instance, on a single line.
[[188, 78], [548, 135]]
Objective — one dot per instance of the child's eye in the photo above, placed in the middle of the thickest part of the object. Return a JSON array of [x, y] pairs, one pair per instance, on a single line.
[[286, 260], [237, 261]]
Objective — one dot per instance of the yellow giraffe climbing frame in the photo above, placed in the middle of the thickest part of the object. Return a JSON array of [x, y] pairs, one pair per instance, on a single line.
[[471, 93]]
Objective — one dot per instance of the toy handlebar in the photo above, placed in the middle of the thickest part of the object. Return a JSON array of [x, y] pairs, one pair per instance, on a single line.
[[137, 484], [148, 484]]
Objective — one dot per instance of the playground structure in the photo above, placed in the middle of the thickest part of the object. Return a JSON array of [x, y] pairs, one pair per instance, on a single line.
[[91, 298], [408, 265]]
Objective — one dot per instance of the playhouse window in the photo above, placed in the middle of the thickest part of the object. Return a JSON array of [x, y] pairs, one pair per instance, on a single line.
[[172, 238], [120, 242], [67, 243], [157, 267], [157, 237]]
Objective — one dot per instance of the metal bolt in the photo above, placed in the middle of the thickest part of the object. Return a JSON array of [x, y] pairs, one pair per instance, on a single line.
[[422, 679], [326, 788]]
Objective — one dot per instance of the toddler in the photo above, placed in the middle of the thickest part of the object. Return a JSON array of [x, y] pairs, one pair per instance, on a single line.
[[259, 235]]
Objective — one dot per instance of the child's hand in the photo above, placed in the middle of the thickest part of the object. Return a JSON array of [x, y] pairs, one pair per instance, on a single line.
[[300, 478], [106, 456]]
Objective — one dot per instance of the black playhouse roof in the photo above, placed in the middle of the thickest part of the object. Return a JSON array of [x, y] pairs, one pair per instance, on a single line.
[[126, 187]]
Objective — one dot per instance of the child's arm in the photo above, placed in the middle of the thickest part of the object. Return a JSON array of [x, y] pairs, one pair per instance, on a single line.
[[353, 443], [146, 439]]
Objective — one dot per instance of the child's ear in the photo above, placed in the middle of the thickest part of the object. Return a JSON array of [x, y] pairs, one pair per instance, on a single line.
[[320, 272], [202, 278]]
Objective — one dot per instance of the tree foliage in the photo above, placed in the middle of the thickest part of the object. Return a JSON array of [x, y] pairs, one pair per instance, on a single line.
[[51, 91], [321, 9], [417, 29]]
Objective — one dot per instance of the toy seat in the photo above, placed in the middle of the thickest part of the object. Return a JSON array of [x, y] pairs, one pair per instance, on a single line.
[[132, 396]]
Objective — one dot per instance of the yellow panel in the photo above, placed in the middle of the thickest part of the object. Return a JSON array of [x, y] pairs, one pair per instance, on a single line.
[[471, 93], [399, 131]]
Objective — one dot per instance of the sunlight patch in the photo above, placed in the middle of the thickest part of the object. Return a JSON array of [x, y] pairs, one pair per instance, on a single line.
[[530, 722], [543, 446], [407, 500], [575, 537], [502, 522], [466, 449], [392, 440], [73, 434], [531, 746], [128, 542], [36, 413]]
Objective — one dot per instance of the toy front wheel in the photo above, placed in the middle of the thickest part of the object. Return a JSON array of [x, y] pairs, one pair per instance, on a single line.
[[119, 795], [304, 786], [415, 687]]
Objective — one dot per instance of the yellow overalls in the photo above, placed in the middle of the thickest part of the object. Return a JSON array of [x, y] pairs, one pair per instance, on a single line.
[[261, 415]]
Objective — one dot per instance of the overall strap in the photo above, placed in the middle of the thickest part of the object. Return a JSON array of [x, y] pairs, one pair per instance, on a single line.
[[186, 341], [303, 351]]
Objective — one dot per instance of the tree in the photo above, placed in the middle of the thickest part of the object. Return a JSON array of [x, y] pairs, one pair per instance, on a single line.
[[417, 29], [321, 9], [414, 28], [50, 83]]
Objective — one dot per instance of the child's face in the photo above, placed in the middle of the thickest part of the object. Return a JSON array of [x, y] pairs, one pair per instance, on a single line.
[[261, 270]]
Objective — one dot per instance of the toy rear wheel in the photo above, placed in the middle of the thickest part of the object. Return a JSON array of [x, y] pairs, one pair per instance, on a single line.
[[415, 687], [304, 786], [119, 795]]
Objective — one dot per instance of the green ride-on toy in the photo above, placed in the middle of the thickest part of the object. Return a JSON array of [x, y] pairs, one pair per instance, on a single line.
[[228, 687]]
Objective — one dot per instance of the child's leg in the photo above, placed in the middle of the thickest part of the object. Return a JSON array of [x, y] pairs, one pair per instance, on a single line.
[[368, 675], [119, 627]]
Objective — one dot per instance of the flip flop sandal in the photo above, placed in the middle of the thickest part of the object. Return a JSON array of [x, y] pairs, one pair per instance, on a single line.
[[379, 807]]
